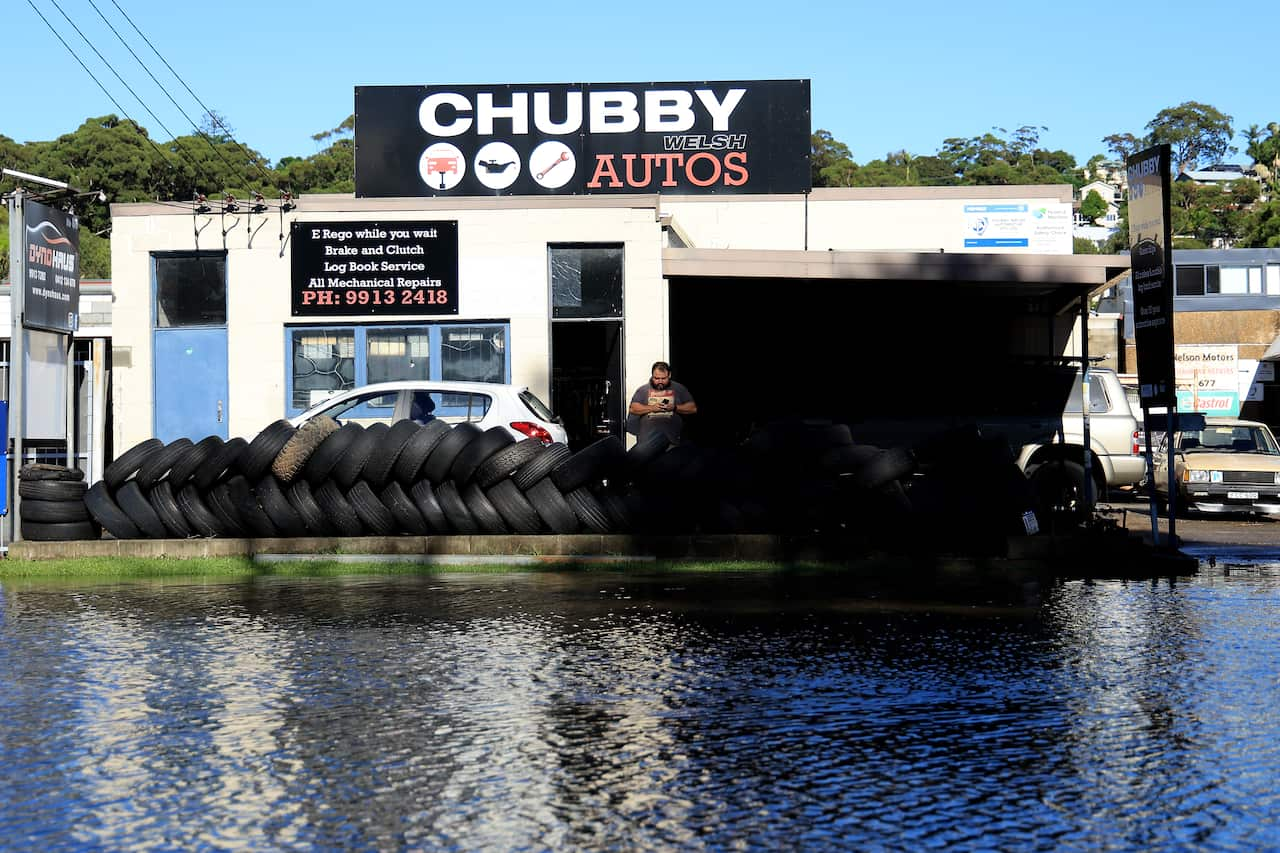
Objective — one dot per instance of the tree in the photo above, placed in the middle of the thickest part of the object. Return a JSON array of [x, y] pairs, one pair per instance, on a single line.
[[1092, 206], [1196, 133], [1123, 145], [830, 161], [1083, 246]]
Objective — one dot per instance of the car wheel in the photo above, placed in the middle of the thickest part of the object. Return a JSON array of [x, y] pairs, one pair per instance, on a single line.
[[1059, 487]]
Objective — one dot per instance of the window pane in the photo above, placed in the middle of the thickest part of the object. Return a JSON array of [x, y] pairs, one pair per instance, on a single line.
[[394, 354], [1273, 279], [191, 291], [1255, 279], [1212, 279], [473, 354], [1098, 402], [586, 281], [1189, 280], [323, 362], [1234, 280]]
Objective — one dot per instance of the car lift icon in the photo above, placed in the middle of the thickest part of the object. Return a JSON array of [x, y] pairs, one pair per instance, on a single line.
[[442, 165]]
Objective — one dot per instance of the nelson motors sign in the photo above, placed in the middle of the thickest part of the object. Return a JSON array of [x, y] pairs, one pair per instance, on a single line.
[[592, 138]]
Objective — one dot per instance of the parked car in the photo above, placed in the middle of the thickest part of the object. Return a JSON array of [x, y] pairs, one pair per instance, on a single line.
[[1230, 465], [485, 404]]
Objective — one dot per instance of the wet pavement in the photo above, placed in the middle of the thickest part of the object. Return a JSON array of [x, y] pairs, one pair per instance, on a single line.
[[1225, 534]]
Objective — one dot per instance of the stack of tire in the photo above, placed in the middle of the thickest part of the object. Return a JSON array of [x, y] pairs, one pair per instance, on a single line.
[[53, 507]]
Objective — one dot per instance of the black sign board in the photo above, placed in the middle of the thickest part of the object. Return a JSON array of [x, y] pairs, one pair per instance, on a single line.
[[390, 268], [1151, 268], [588, 138], [51, 300]]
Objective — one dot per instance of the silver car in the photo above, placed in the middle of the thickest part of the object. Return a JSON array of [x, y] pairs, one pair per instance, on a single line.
[[485, 404]]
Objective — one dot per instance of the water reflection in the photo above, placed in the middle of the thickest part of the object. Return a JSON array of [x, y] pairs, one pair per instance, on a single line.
[[552, 711]]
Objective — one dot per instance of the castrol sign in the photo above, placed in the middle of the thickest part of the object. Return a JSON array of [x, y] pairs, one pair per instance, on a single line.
[[589, 138]]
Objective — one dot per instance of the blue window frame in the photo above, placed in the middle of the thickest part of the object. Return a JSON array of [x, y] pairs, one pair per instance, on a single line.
[[320, 360]]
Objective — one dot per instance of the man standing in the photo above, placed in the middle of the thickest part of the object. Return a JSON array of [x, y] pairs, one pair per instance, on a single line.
[[659, 405]]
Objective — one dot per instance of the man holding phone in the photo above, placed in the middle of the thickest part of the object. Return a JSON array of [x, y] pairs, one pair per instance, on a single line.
[[659, 405]]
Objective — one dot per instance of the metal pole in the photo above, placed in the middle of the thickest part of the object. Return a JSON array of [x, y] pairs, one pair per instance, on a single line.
[[1173, 480], [1151, 480], [70, 389], [1089, 496], [17, 354]]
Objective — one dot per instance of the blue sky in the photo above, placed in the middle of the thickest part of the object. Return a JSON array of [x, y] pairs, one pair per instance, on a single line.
[[884, 76]]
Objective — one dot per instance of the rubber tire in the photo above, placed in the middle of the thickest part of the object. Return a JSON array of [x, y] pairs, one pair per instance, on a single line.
[[298, 449], [329, 453], [530, 473], [407, 517], [885, 467], [45, 471], [338, 509], [348, 469], [424, 498], [593, 463], [127, 464], [68, 531], [304, 503], [263, 450], [51, 490], [197, 514], [107, 512], [483, 510], [589, 511], [158, 465], [165, 504], [374, 515], [1059, 489], [55, 511], [477, 452], [135, 505], [277, 507], [408, 467], [251, 512], [213, 470], [221, 504], [848, 459], [460, 518], [189, 463], [507, 461], [377, 471], [514, 507], [552, 508], [440, 462], [646, 451]]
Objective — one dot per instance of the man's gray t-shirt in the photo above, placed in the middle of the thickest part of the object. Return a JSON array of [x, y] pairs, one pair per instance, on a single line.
[[667, 423]]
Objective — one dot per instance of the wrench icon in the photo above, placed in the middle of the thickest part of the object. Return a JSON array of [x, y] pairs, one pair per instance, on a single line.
[[564, 155]]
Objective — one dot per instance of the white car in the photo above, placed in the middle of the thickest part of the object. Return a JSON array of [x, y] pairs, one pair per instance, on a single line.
[[485, 404]]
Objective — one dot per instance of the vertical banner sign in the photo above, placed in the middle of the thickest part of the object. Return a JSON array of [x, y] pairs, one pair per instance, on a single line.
[[1151, 267], [583, 138], [51, 300], [380, 268]]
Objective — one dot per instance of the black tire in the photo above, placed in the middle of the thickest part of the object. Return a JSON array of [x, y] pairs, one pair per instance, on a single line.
[[127, 464], [507, 461], [885, 467], [478, 451], [540, 466], [849, 458], [424, 498], [621, 517], [1059, 489], [158, 464], [165, 503], [67, 531], [263, 450], [593, 463], [108, 513], [552, 508], [220, 464], [304, 503], [409, 466], [221, 504], [338, 509], [407, 517], [377, 471], [348, 469], [514, 507], [51, 490], [45, 471], [460, 518], [644, 452], [55, 511], [329, 453], [298, 449], [135, 505], [251, 512], [374, 515], [440, 462], [483, 510], [278, 508], [188, 463], [588, 509], [197, 514]]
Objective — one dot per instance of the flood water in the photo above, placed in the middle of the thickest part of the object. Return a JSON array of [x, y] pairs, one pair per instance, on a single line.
[[594, 710]]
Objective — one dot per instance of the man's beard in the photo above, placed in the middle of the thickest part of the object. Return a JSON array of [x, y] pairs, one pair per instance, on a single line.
[[659, 387]]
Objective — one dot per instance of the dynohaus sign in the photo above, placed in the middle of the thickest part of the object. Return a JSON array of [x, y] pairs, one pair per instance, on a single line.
[[594, 138], [51, 299], [1151, 268]]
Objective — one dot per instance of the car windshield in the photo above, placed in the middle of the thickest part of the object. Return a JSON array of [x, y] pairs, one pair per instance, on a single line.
[[1228, 438]]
